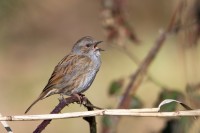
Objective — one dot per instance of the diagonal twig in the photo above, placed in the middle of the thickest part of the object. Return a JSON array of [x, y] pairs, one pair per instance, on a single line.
[[66, 102], [138, 75]]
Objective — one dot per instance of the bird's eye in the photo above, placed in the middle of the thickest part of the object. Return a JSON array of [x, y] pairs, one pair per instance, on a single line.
[[88, 45]]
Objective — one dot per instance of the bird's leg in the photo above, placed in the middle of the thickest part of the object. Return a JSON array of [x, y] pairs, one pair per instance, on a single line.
[[61, 98], [81, 97]]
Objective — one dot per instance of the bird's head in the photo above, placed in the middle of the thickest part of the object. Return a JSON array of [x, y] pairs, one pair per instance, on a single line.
[[87, 46]]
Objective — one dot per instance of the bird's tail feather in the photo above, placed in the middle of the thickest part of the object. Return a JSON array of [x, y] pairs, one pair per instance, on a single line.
[[42, 96]]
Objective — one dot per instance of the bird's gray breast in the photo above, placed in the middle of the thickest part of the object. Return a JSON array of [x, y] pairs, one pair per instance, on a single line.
[[90, 76]]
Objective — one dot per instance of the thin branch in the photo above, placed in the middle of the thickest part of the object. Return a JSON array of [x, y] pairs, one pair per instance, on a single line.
[[66, 102], [142, 69], [90, 120], [147, 112]]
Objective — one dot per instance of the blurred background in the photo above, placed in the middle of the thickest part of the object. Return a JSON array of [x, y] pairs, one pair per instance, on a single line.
[[36, 35]]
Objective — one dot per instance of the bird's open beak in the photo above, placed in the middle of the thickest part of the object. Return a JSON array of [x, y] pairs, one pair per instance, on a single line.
[[96, 44]]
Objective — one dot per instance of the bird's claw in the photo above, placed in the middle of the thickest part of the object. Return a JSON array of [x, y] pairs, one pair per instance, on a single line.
[[80, 97]]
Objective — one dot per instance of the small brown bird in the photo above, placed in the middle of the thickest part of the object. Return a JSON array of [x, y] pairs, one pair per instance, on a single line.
[[75, 73]]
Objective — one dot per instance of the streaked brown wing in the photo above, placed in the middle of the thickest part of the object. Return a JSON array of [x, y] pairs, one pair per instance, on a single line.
[[68, 69]]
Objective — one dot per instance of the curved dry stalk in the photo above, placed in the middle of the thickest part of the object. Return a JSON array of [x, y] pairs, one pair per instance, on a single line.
[[147, 112]]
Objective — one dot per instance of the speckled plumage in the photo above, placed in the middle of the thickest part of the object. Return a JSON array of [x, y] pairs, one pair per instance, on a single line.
[[75, 73]]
